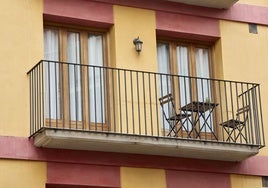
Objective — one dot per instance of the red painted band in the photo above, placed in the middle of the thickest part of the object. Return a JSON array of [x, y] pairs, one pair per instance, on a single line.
[[79, 12], [23, 149], [197, 179], [238, 12], [172, 19], [83, 175], [195, 28]]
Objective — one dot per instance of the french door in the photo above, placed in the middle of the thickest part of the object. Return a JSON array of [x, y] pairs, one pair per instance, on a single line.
[[74, 92], [187, 61]]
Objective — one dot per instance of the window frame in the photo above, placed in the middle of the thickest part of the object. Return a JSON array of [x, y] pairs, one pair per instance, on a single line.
[[173, 67], [64, 120]]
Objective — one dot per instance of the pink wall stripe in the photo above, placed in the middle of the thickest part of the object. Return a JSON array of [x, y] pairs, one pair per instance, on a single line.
[[185, 26], [83, 175], [196, 179], [23, 149], [172, 19], [80, 12], [238, 12]]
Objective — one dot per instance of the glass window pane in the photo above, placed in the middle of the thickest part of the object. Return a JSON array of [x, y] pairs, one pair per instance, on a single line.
[[51, 45], [183, 70], [202, 70], [96, 79], [203, 86], [184, 82], [75, 88], [164, 80], [51, 71], [163, 67]]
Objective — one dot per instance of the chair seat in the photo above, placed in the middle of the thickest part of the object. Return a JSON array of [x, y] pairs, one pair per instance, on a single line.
[[232, 123], [178, 117]]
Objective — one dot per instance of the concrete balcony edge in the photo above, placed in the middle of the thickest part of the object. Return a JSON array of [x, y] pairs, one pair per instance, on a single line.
[[95, 141], [220, 4]]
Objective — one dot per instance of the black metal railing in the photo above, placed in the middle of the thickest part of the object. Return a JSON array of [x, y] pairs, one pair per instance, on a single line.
[[119, 101]]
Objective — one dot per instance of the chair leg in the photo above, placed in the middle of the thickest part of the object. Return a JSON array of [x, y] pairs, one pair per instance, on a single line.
[[240, 134], [230, 134], [173, 127]]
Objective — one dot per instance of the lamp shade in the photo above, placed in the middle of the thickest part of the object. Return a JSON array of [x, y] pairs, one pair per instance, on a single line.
[[138, 44]]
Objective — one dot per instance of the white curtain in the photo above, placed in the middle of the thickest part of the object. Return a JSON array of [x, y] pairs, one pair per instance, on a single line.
[[51, 71], [164, 81], [163, 67], [202, 70], [75, 91], [96, 83], [203, 86], [183, 70], [184, 82]]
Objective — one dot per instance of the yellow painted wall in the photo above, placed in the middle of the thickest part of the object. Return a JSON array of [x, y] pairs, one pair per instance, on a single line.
[[130, 23], [245, 58], [21, 47], [239, 181], [254, 2], [22, 174], [142, 178]]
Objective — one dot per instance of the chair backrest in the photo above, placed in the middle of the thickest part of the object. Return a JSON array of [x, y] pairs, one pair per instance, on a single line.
[[168, 106], [242, 113]]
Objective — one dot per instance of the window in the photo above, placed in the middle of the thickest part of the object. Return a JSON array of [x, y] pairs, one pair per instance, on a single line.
[[187, 60], [253, 28], [74, 93], [264, 181]]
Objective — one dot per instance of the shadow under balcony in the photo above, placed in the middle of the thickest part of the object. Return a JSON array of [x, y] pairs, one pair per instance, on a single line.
[[85, 107]]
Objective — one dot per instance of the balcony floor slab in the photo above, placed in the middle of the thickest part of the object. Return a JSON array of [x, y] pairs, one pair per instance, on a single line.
[[209, 3], [109, 142]]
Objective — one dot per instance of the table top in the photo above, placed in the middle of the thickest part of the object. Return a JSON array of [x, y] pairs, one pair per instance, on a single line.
[[197, 106]]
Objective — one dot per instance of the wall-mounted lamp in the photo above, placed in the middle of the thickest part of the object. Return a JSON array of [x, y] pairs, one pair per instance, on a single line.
[[138, 44]]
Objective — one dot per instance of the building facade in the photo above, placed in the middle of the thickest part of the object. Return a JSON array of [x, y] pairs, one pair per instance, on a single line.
[[82, 105]]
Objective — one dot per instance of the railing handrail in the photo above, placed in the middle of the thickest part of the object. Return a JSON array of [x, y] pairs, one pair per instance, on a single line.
[[39, 62], [142, 71]]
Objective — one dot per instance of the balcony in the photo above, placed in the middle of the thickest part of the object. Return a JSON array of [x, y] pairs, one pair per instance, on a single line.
[[221, 4], [83, 107]]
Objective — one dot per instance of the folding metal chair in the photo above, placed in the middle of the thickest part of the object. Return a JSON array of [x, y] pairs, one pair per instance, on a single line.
[[171, 116], [234, 127]]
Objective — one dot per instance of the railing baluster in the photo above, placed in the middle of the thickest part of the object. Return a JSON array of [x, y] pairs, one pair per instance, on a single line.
[[81, 83], [32, 126], [107, 104], [162, 94], [150, 101], [49, 94], [125, 86], [119, 101], [250, 115], [221, 109], [256, 114], [95, 98], [113, 99], [156, 106], [88, 97], [69, 94], [42, 95], [138, 91], [101, 98], [238, 106], [261, 141], [144, 104], [56, 93], [132, 103]]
